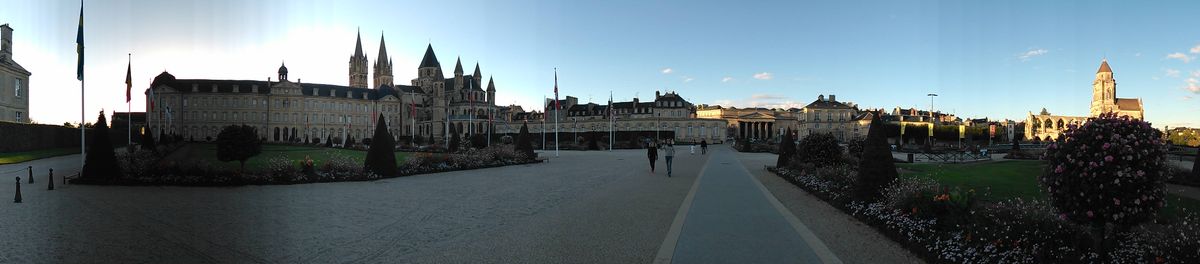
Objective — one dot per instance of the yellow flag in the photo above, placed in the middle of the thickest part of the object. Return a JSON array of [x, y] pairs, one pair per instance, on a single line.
[[962, 131]]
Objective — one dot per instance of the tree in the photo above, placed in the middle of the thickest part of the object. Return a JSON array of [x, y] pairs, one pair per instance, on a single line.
[[787, 147], [592, 144], [876, 168], [1016, 144], [238, 142], [454, 141], [1108, 171], [148, 141], [381, 156], [819, 149], [100, 166], [328, 141], [524, 145]]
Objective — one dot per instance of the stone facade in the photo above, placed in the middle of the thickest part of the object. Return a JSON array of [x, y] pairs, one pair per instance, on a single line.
[[14, 82], [669, 112], [1044, 126], [824, 115], [292, 111]]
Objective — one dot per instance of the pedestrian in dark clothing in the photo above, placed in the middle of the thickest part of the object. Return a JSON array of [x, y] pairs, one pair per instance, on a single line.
[[652, 154], [703, 147]]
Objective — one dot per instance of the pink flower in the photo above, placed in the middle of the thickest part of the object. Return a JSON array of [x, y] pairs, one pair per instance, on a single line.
[[1062, 217], [1090, 214], [1141, 173], [1058, 169], [1106, 145], [1108, 158], [1116, 201]]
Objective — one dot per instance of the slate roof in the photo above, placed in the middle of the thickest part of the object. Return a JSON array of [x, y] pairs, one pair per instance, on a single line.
[[430, 60], [309, 89], [1129, 104], [827, 104]]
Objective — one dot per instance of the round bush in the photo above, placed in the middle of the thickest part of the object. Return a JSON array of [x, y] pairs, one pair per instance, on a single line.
[[819, 149], [1107, 171]]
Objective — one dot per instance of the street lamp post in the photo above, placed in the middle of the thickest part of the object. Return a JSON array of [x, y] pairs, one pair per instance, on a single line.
[[932, 120]]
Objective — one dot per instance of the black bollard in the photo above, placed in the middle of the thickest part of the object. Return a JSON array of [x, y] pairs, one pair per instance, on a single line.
[[18, 199], [30, 174], [51, 180]]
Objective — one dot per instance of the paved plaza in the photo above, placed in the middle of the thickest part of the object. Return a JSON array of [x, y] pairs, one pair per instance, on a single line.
[[581, 207]]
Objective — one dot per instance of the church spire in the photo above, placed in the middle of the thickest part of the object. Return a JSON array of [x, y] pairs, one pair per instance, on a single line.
[[477, 75], [358, 45], [1104, 67], [383, 65], [458, 66], [382, 49]]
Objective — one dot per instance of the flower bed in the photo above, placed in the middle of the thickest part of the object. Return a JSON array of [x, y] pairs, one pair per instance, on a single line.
[[947, 225], [147, 168]]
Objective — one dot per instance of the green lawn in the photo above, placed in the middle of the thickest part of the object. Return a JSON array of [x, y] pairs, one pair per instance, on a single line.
[[1006, 179], [207, 152], [18, 157]]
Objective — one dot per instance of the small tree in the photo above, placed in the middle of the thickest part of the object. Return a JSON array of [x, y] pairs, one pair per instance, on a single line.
[[876, 168], [1016, 143], [381, 156], [328, 141], [238, 142], [854, 147], [454, 141], [100, 164], [819, 149], [787, 147], [524, 146], [592, 144], [1108, 171], [148, 141]]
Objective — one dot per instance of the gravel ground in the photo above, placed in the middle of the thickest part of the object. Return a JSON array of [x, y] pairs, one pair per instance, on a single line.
[[849, 239], [584, 207]]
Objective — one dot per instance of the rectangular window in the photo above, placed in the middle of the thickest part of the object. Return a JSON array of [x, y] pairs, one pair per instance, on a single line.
[[17, 90], [18, 116]]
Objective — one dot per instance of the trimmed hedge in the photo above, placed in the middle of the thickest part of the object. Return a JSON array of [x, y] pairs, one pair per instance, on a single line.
[[19, 137]]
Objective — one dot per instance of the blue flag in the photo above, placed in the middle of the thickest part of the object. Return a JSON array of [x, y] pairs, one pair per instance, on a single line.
[[79, 44]]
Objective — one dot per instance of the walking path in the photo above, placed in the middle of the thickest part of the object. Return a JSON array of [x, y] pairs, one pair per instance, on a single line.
[[729, 217]]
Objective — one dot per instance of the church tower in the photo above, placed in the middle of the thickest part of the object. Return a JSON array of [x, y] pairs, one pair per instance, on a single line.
[[429, 74], [358, 65], [1104, 91], [458, 75], [383, 66], [491, 92]]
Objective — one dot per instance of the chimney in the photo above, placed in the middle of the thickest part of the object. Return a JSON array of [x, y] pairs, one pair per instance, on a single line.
[[821, 98], [5, 41], [833, 98]]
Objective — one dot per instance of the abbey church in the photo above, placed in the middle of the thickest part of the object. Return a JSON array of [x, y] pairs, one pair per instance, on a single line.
[[1044, 126], [287, 110]]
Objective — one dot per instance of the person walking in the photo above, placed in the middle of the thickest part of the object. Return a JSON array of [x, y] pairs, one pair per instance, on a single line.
[[703, 147], [651, 154], [692, 148], [669, 152]]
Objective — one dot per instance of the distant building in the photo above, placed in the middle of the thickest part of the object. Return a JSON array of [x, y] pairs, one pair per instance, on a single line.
[[669, 112], [1045, 126], [827, 115], [14, 82]]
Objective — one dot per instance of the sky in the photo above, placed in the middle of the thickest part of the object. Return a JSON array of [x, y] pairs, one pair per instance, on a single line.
[[995, 59]]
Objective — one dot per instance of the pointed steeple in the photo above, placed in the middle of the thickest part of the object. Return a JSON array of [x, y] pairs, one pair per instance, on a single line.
[[358, 45], [382, 49], [458, 67], [430, 60], [491, 85], [477, 74], [1104, 67]]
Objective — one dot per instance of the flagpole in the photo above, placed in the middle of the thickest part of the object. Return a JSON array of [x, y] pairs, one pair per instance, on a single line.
[[544, 106], [79, 71], [128, 111]]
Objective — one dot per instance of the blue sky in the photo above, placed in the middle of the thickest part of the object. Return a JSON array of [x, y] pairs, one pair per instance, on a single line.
[[998, 59]]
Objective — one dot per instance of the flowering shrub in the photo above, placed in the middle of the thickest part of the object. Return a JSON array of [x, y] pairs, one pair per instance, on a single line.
[[1107, 171], [340, 167], [820, 149]]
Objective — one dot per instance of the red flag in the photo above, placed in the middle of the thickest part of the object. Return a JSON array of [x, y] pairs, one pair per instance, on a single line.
[[556, 89], [128, 81], [413, 109]]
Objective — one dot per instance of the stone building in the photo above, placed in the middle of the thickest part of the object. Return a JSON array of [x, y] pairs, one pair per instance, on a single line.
[[753, 123], [827, 115], [284, 110], [1045, 126], [14, 82], [669, 112]]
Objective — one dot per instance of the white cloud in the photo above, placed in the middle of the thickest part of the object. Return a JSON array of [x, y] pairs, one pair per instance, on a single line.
[[667, 70], [766, 96], [763, 76], [1171, 73], [688, 79], [1179, 56], [726, 79], [1025, 56], [1195, 49], [1193, 85], [1139, 54], [1196, 73]]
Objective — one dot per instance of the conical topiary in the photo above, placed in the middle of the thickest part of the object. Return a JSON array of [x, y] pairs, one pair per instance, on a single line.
[[100, 165], [381, 156], [876, 168]]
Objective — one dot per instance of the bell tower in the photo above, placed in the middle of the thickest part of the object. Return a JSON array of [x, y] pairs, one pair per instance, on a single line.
[[358, 65], [383, 66], [1104, 91]]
